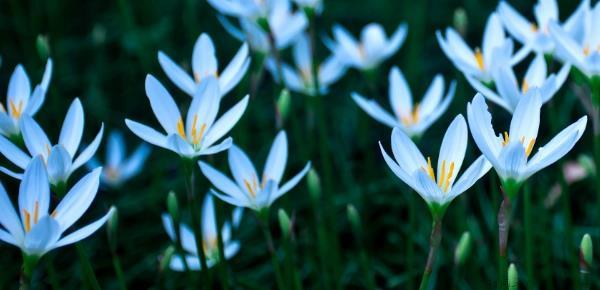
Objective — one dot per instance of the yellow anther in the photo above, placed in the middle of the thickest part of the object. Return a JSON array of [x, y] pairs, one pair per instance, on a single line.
[[54, 213], [529, 147], [251, 187], [429, 169], [27, 220], [449, 177], [534, 27], [525, 86], [506, 139], [180, 128], [479, 58], [412, 118], [586, 50], [198, 77], [197, 135], [15, 110], [443, 174], [209, 244], [36, 209]]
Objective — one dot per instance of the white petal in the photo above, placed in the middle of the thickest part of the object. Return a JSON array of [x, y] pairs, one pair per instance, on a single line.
[[513, 160], [214, 149], [180, 146], [19, 88], [77, 200], [89, 151], [224, 124], [526, 118], [488, 93], [223, 183], [135, 163], [480, 123], [59, 164], [277, 159], [209, 220], [8, 216], [241, 167], [162, 104], [372, 108], [115, 149], [204, 60], [400, 96], [233, 73], [204, 108], [396, 40], [47, 75], [84, 232], [176, 74], [406, 153], [433, 96], [147, 134], [493, 37], [452, 150], [517, 25], [36, 101], [34, 136], [72, 128], [473, 173], [403, 175], [34, 192], [13, 153], [42, 237], [292, 182]]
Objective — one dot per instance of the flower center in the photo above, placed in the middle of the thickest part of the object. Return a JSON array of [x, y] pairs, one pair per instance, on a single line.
[[534, 27], [15, 110], [443, 181], [412, 118], [252, 186], [479, 58], [195, 135], [29, 222], [528, 148], [198, 77], [524, 86]]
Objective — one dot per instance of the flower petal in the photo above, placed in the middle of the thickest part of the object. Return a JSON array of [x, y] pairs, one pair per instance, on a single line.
[[292, 182], [480, 123], [77, 200], [147, 134], [42, 237], [13, 153], [406, 153], [19, 89], [59, 164], [8, 216], [223, 183], [526, 118], [224, 124], [86, 231], [204, 60], [89, 151], [34, 136], [372, 108], [277, 159], [72, 128], [163, 105], [34, 192], [452, 150], [235, 70], [176, 74]]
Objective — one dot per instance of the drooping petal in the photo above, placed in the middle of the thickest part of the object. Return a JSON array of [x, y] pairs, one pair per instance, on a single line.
[[77, 200], [277, 159], [72, 128], [147, 134], [84, 232]]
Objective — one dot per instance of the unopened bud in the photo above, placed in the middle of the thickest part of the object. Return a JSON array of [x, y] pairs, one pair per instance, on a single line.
[[173, 206], [284, 223], [165, 260], [43, 47], [354, 219], [284, 102], [112, 227], [587, 252], [314, 185], [463, 249], [513, 277], [461, 21]]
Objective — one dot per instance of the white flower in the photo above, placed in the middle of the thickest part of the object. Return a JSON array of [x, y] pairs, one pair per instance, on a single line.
[[584, 54], [248, 189], [496, 50], [509, 152], [20, 100], [417, 172], [536, 35], [119, 169], [60, 159], [373, 48], [248, 9], [209, 236], [300, 78], [315, 5], [34, 229], [412, 118], [204, 64], [201, 130], [285, 24], [510, 91]]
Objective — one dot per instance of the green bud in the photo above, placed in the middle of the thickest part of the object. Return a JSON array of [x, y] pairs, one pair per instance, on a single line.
[[513, 277], [173, 206], [284, 223], [166, 258], [587, 162], [463, 249], [354, 218], [461, 21], [112, 228], [314, 185], [587, 251], [43, 47], [98, 34], [284, 102], [263, 22]]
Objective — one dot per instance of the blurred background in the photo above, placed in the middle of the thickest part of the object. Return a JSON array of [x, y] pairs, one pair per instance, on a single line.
[[102, 51]]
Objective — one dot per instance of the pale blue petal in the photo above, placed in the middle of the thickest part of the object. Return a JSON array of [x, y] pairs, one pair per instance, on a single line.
[[204, 60], [8, 216], [373, 109], [277, 158], [84, 232], [13, 153], [162, 104], [42, 237], [293, 181], [72, 128], [147, 134], [34, 136], [19, 88], [176, 74], [89, 151], [225, 123], [77, 200], [223, 183], [34, 192], [59, 164]]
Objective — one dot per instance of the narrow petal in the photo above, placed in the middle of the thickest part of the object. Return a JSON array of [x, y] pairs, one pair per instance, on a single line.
[[147, 134], [235, 70], [396, 40], [13, 153], [526, 118], [513, 160], [8, 216], [19, 88], [86, 231], [452, 150], [47, 75], [398, 171], [224, 124], [480, 123], [406, 153], [135, 162], [277, 159], [72, 128], [214, 149], [115, 149], [209, 220], [400, 96], [34, 136], [204, 60], [36, 101], [241, 167], [163, 105], [433, 96], [223, 183], [34, 192], [204, 108], [373, 109], [176, 74], [473, 173], [77, 200], [89, 151], [293, 181]]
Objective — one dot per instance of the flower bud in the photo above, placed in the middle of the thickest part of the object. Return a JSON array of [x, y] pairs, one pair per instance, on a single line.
[[586, 252], [284, 223], [112, 228], [354, 219], [284, 102], [43, 47], [173, 206], [314, 185], [165, 260], [460, 21], [463, 249], [513, 277]]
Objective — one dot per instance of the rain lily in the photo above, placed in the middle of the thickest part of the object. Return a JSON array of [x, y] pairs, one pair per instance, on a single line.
[[510, 91], [201, 130], [373, 48], [315, 6], [285, 25], [35, 229], [412, 118], [437, 189], [509, 152], [248, 190], [60, 159], [209, 236], [479, 63], [20, 100], [585, 54], [204, 63], [536, 35], [244, 9], [301, 79], [119, 169]]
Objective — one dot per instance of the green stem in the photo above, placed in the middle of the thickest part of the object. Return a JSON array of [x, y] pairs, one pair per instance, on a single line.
[[52, 272], [504, 219], [434, 244], [190, 180], [529, 235], [584, 274], [117, 267], [263, 220], [222, 261], [323, 253], [293, 279], [410, 256], [86, 265]]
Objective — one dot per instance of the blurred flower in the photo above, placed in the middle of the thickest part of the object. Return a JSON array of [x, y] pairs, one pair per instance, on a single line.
[[496, 50], [301, 79], [315, 6], [117, 169], [285, 25], [584, 54], [373, 48], [417, 172], [20, 100], [412, 118], [60, 158], [201, 130], [509, 89], [536, 35], [209, 236], [204, 63], [509, 152], [244, 9], [248, 190], [37, 231]]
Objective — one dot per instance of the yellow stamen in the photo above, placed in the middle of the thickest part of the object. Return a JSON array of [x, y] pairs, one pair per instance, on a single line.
[[251, 187], [505, 142], [198, 78], [413, 116], [36, 212], [534, 27], [529, 147], [449, 177], [197, 136], [180, 128], [15, 110], [429, 169], [27, 220], [443, 174], [525, 86], [586, 50], [479, 58], [209, 244]]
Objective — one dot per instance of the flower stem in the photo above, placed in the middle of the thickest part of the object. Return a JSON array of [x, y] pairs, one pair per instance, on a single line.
[[595, 87], [434, 243], [224, 275], [529, 235], [264, 225], [584, 273], [88, 270], [504, 218], [190, 180], [52, 272]]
